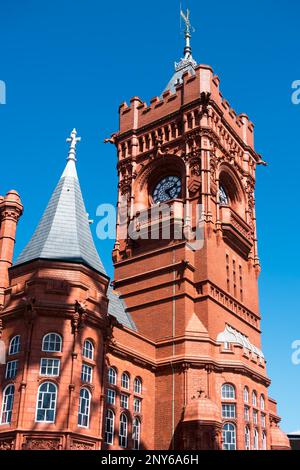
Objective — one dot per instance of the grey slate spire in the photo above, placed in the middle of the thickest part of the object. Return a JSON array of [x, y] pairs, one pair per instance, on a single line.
[[64, 232], [187, 64]]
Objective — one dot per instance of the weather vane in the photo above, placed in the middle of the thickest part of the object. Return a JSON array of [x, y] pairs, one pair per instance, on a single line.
[[186, 18], [189, 29]]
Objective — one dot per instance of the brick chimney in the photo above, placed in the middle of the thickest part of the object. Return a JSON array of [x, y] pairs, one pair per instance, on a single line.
[[11, 209]]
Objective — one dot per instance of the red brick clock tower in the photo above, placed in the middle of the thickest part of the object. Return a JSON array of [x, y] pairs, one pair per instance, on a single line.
[[191, 155], [172, 357]]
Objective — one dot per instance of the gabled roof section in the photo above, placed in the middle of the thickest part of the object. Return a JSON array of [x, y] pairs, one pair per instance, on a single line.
[[117, 309]]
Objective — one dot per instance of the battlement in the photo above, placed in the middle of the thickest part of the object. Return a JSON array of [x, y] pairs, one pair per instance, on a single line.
[[140, 114]]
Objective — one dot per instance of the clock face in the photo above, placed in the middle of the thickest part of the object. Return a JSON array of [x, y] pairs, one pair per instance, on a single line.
[[167, 189]]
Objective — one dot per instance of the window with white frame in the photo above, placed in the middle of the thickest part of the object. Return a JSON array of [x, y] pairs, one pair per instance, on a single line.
[[255, 417], [229, 436], [137, 405], [246, 395], [112, 376], [247, 438], [125, 381], [264, 441], [246, 413], [52, 342], [7, 404], [14, 345], [137, 386], [123, 432], [228, 392], [84, 408], [11, 369], [262, 403], [124, 401], [109, 427], [254, 398], [263, 420], [256, 440], [46, 403], [86, 374], [228, 411], [88, 350], [111, 397], [136, 433], [50, 367]]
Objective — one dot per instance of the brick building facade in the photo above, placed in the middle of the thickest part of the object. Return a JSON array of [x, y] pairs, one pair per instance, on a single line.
[[169, 355]]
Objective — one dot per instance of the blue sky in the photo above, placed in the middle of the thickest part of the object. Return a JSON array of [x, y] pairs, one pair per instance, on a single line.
[[72, 62]]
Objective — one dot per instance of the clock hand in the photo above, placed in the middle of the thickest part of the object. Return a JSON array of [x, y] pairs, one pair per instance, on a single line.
[[168, 191]]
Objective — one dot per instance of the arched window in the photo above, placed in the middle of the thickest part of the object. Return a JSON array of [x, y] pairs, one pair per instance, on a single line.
[[46, 403], [228, 392], [125, 381], [112, 376], [137, 386], [262, 403], [256, 439], [247, 438], [254, 398], [264, 441], [123, 432], [84, 408], [136, 433], [7, 404], [88, 350], [52, 342], [246, 395], [14, 346], [109, 427], [229, 436], [223, 198]]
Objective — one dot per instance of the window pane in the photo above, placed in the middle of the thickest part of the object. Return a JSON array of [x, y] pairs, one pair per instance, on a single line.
[[11, 369], [111, 397], [7, 404], [88, 350], [112, 376], [52, 342], [228, 411], [228, 392], [137, 404], [136, 434], [229, 437], [50, 367], [84, 408], [124, 401], [46, 403], [109, 427], [15, 345], [137, 386], [125, 381], [123, 431], [86, 374]]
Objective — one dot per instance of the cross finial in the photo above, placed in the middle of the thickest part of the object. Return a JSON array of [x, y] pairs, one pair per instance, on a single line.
[[73, 140], [188, 32], [201, 393]]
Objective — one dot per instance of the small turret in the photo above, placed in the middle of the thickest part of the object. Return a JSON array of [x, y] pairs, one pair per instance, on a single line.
[[11, 210]]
